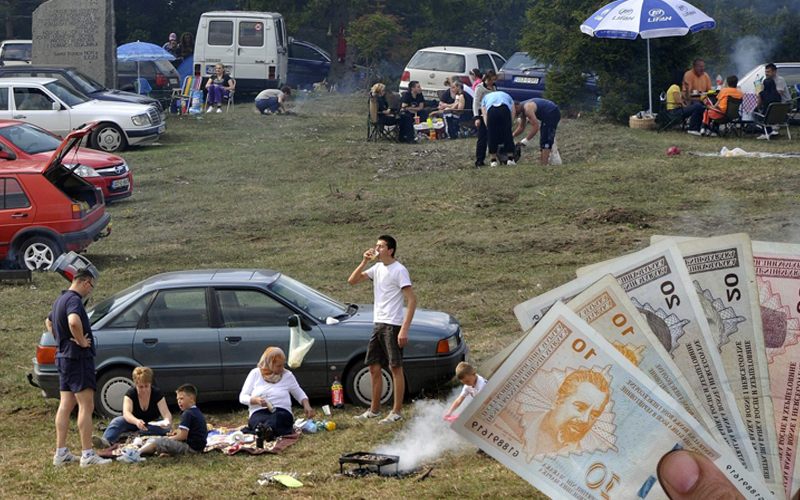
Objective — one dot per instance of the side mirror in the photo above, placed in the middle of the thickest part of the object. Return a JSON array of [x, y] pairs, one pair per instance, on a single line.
[[56, 106], [501, 76], [7, 155], [292, 321]]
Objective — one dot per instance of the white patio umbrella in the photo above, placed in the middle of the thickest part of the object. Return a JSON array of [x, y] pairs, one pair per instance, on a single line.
[[648, 19]]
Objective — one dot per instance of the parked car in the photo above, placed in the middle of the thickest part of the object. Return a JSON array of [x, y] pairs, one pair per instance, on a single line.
[[15, 52], [308, 64], [24, 141], [161, 75], [790, 71], [209, 328], [523, 78], [430, 67], [50, 104], [79, 81], [46, 209]]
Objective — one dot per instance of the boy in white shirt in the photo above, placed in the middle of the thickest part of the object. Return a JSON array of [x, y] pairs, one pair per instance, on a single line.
[[391, 284], [473, 383]]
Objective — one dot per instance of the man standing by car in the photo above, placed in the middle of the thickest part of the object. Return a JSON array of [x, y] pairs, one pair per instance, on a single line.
[[391, 283], [771, 71], [534, 111], [69, 324]]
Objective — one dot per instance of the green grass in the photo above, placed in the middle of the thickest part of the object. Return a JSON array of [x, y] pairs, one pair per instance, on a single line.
[[306, 195]]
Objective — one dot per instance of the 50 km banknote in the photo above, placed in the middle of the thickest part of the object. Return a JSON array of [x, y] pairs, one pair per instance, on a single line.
[[575, 418]]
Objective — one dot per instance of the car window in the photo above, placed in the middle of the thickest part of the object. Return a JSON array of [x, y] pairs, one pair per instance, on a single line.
[[165, 67], [520, 62], [58, 76], [86, 83], [251, 33], [498, 61], [130, 318], [17, 52], [30, 139], [484, 62], [183, 308], [102, 309], [438, 61], [316, 304], [279, 32], [248, 308], [791, 75], [32, 99], [4, 99], [67, 94], [220, 33], [298, 51], [12, 195]]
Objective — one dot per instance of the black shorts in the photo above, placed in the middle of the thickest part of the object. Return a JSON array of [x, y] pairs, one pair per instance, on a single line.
[[76, 375], [383, 348], [547, 133]]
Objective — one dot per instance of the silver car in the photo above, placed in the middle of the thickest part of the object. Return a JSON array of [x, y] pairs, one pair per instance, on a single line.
[[210, 327]]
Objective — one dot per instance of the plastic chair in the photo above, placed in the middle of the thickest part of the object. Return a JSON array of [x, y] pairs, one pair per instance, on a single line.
[[142, 86], [667, 121], [777, 115], [732, 118]]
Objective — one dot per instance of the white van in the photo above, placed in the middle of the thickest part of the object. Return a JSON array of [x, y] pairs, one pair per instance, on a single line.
[[251, 45]]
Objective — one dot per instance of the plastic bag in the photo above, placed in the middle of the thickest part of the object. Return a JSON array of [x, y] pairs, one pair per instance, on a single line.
[[555, 158], [299, 345]]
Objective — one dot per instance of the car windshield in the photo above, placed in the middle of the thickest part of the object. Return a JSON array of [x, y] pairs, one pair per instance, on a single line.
[[85, 82], [438, 61], [70, 96], [30, 139], [318, 305], [520, 62], [102, 309], [17, 51], [165, 67]]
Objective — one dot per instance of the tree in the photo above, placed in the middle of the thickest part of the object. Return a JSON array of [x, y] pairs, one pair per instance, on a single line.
[[375, 35], [17, 15]]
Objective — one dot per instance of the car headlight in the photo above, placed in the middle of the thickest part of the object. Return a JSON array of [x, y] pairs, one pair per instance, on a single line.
[[86, 171], [447, 345], [141, 120]]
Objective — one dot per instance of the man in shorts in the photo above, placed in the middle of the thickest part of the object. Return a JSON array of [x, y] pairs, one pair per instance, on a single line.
[[534, 111], [391, 284], [69, 324]]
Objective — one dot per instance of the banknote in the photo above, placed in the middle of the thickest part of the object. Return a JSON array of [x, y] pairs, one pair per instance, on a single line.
[[777, 268], [658, 283], [721, 269], [572, 416]]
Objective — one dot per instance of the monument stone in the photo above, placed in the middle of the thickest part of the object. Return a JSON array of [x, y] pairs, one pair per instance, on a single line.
[[78, 33]]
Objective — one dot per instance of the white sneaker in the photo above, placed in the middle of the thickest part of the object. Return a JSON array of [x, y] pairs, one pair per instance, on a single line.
[[210, 109], [131, 457], [94, 459], [713, 134], [367, 415], [391, 418], [693, 132], [763, 137], [494, 163], [219, 110], [773, 133], [511, 163], [65, 459]]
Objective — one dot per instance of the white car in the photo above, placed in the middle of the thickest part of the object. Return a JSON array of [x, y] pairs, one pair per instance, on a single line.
[[50, 104], [430, 67], [790, 71], [15, 52]]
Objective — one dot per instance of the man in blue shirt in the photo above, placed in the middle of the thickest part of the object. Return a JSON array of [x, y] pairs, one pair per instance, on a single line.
[[498, 114], [534, 111], [69, 324]]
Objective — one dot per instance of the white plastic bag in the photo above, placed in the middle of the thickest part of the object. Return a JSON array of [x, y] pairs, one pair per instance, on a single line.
[[555, 158], [299, 345]]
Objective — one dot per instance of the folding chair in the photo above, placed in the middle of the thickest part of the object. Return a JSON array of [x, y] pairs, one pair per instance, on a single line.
[[667, 121], [777, 115], [377, 130], [184, 94], [732, 118], [228, 96], [142, 87]]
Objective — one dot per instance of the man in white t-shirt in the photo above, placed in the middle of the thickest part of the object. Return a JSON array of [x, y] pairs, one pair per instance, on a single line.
[[391, 284]]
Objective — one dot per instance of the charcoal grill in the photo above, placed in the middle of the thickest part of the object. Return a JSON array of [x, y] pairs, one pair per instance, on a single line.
[[366, 459]]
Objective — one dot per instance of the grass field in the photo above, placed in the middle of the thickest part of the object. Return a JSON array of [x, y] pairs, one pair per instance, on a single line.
[[306, 195]]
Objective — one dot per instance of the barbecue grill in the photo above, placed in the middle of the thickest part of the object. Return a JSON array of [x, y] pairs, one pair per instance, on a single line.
[[365, 459]]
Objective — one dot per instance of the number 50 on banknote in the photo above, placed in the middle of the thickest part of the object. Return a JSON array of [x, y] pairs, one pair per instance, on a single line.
[[572, 416]]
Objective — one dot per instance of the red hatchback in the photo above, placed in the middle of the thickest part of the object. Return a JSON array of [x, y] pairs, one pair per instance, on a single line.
[[46, 209], [105, 171]]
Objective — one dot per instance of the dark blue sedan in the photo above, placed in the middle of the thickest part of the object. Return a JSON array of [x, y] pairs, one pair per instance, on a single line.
[[210, 327], [523, 78], [308, 64]]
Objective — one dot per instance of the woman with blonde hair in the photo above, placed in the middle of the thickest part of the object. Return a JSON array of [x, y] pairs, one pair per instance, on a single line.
[[267, 393], [142, 406], [219, 83]]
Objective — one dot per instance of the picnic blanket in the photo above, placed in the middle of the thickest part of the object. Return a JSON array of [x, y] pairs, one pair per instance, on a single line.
[[218, 439], [741, 153]]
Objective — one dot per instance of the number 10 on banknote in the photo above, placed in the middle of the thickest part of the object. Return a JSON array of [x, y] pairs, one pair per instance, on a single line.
[[572, 416]]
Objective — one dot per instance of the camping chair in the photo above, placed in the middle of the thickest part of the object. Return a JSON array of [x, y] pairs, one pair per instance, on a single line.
[[777, 115], [732, 118], [377, 130], [184, 94], [667, 121], [142, 87], [228, 96]]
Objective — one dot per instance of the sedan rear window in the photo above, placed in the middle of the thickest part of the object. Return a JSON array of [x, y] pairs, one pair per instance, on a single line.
[[12, 195], [520, 62], [438, 61]]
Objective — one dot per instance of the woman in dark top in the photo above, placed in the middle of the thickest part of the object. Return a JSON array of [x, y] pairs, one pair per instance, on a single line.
[[217, 85], [142, 406], [386, 116], [766, 97]]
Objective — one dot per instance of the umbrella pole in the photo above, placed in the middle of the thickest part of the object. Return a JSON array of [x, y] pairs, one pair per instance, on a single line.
[[139, 83], [649, 81]]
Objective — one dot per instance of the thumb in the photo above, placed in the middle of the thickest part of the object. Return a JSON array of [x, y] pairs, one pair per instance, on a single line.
[[688, 476]]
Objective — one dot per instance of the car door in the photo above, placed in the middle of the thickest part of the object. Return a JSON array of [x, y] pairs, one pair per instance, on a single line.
[[176, 340], [252, 321], [219, 46], [484, 62], [16, 210], [307, 65], [498, 62], [251, 50], [34, 105]]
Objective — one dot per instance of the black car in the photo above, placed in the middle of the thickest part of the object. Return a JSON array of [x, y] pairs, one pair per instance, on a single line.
[[308, 64], [74, 78], [161, 75]]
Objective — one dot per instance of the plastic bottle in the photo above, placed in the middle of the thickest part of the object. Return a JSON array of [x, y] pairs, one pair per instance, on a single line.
[[719, 82], [337, 393], [433, 134]]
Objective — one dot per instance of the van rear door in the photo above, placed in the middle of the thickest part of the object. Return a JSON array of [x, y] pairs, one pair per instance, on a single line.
[[219, 44], [255, 50]]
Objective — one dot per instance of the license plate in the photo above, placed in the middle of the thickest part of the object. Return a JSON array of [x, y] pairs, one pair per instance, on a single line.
[[526, 79], [119, 183], [430, 93], [162, 128]]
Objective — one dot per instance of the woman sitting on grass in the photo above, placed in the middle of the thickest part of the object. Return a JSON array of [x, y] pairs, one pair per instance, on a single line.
[[142, 406], [267, 390]]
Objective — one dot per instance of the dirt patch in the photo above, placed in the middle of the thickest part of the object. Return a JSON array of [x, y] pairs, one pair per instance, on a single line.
[[616, 215]]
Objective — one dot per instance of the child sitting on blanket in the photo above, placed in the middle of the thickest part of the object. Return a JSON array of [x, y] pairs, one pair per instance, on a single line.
[[472, 384], [191, 435]]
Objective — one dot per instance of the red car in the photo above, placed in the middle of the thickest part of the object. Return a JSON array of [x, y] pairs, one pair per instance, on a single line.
[[104, 170], [45, 208]]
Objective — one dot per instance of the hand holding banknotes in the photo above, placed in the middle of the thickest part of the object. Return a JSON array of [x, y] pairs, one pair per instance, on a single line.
[[688, 476]]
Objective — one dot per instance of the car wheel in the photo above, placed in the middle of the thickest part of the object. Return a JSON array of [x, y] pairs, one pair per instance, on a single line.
[[111, 388], [38, 253], [358, 385], [109, 138]]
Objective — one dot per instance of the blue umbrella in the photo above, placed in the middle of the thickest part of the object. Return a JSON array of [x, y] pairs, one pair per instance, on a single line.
[[648, 19], [142, 51]]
